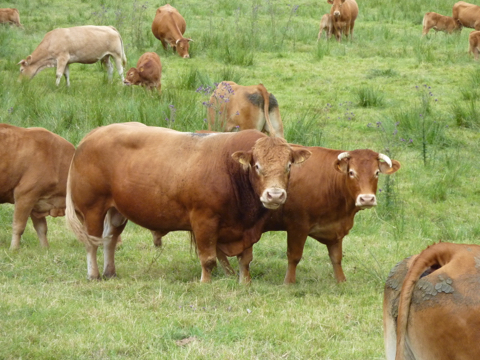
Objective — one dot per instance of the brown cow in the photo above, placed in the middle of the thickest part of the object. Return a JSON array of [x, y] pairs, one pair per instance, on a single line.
[[325, 194], [343, 14], [474, 43], [233, 106], [34, 165], [148, 72], [435, 314], [218, 186], [325, 25], [438, 22], [169, 26], [468, 15], [11, 16], [79, 44]]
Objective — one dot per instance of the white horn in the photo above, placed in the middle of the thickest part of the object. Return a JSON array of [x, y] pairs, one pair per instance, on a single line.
[[385, 158], [343, 156], [176, 42]]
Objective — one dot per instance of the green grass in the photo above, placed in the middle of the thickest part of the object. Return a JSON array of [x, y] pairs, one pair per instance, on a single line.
[[49, 309]]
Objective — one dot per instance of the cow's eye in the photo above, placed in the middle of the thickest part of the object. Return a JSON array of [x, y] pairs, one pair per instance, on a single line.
[[289, 167], [351, 173], [376, 173]]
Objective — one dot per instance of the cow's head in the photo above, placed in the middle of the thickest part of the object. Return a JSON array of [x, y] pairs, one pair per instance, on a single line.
[[362, 168], [182, 45], [133, 76], [269, 164], [336, 7], [26, 70]]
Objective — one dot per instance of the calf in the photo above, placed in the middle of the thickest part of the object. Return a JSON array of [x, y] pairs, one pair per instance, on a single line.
[[34, 165], [343, 13], [79, 44], [233, 106], [474, 43], [10, 16], [148, 72], [221, 187], [431, 306], [325, 25], [438, 22], [468, 15], [169, 26]]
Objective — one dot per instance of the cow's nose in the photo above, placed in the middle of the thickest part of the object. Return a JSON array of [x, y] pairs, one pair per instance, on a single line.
[[274, 197], [336, 13], [186, 56], [366, 200]]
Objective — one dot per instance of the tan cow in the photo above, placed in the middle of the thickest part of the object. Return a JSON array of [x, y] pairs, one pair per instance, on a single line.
[[169, 26], [324, 195], [79, 44], [325, 25], [474, 43], [11, 16], [431, 306], [34, 166], [343, 13], [438, 22], [219, 186], [148, 72], [233, 106], [468, 15]]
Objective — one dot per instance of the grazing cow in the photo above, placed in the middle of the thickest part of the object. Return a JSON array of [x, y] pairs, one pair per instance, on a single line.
[[431, 306], [343, 14], [325, 194], [474, 43], [79, 44], [34, 166], [438, 22], [325, 24], [468, 15], [11, 16], [148, 72], [169, 26], [218, 186], [233, 106]]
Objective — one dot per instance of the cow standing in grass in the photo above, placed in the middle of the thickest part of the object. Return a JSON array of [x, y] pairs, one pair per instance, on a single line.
[[325, 25], [34, 166], [222, 187], [10, 16], [79, 44], [169, 26], [438, 22], [343, 13], [468, 15]]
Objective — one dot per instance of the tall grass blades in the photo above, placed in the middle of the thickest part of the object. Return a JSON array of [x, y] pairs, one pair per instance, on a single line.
[[369, 97]]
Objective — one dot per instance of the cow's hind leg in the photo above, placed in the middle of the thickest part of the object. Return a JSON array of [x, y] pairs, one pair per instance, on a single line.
[[113, 226], [244, 260], [40, 225]]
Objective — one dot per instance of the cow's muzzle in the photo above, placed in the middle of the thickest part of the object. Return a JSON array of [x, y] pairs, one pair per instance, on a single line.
[[272, 198], [336, 13], [366, 201]]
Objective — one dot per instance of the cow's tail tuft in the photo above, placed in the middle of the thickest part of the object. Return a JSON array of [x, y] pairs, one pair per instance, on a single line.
[[266, 106], [73, 222], [431, 258]]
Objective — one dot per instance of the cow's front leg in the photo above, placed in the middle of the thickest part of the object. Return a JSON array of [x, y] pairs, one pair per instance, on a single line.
[[244, 260], [205, 230], [295, 244], [62, 66], [335, 253], [23, 208]]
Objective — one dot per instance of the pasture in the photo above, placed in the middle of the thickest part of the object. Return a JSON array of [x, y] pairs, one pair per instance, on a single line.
[[390, 90]]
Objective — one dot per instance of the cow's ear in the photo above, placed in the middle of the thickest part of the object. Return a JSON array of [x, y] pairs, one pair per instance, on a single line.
[[29, 60], [385, 169], [301, 155], [21, 62], [330, 1], [341, 165], [243, 158], [141, 69]]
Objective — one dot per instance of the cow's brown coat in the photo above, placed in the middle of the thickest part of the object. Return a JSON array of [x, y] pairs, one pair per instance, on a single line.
[[148, 72], [10, 16]]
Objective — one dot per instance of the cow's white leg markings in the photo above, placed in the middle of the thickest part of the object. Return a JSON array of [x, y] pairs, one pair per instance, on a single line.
[[92, 266]]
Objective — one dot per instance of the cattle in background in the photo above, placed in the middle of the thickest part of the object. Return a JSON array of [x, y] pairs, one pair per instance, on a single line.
[[468, 15], [34, 166], [220, 187], [325, 25], [343, 13], [169, 26], [148, 72], [79, 44], [438, 22], [11, 16], [233, 106], [325, 194], [474, 43], [431, 306]]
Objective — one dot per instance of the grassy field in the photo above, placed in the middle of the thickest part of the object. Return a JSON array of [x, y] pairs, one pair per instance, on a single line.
[[389, 90]]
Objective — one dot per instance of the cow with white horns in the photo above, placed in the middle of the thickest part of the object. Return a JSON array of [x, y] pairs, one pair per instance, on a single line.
[[79, 44]]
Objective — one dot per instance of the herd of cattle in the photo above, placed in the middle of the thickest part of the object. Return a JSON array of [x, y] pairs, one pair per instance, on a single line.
[[227, 188]]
